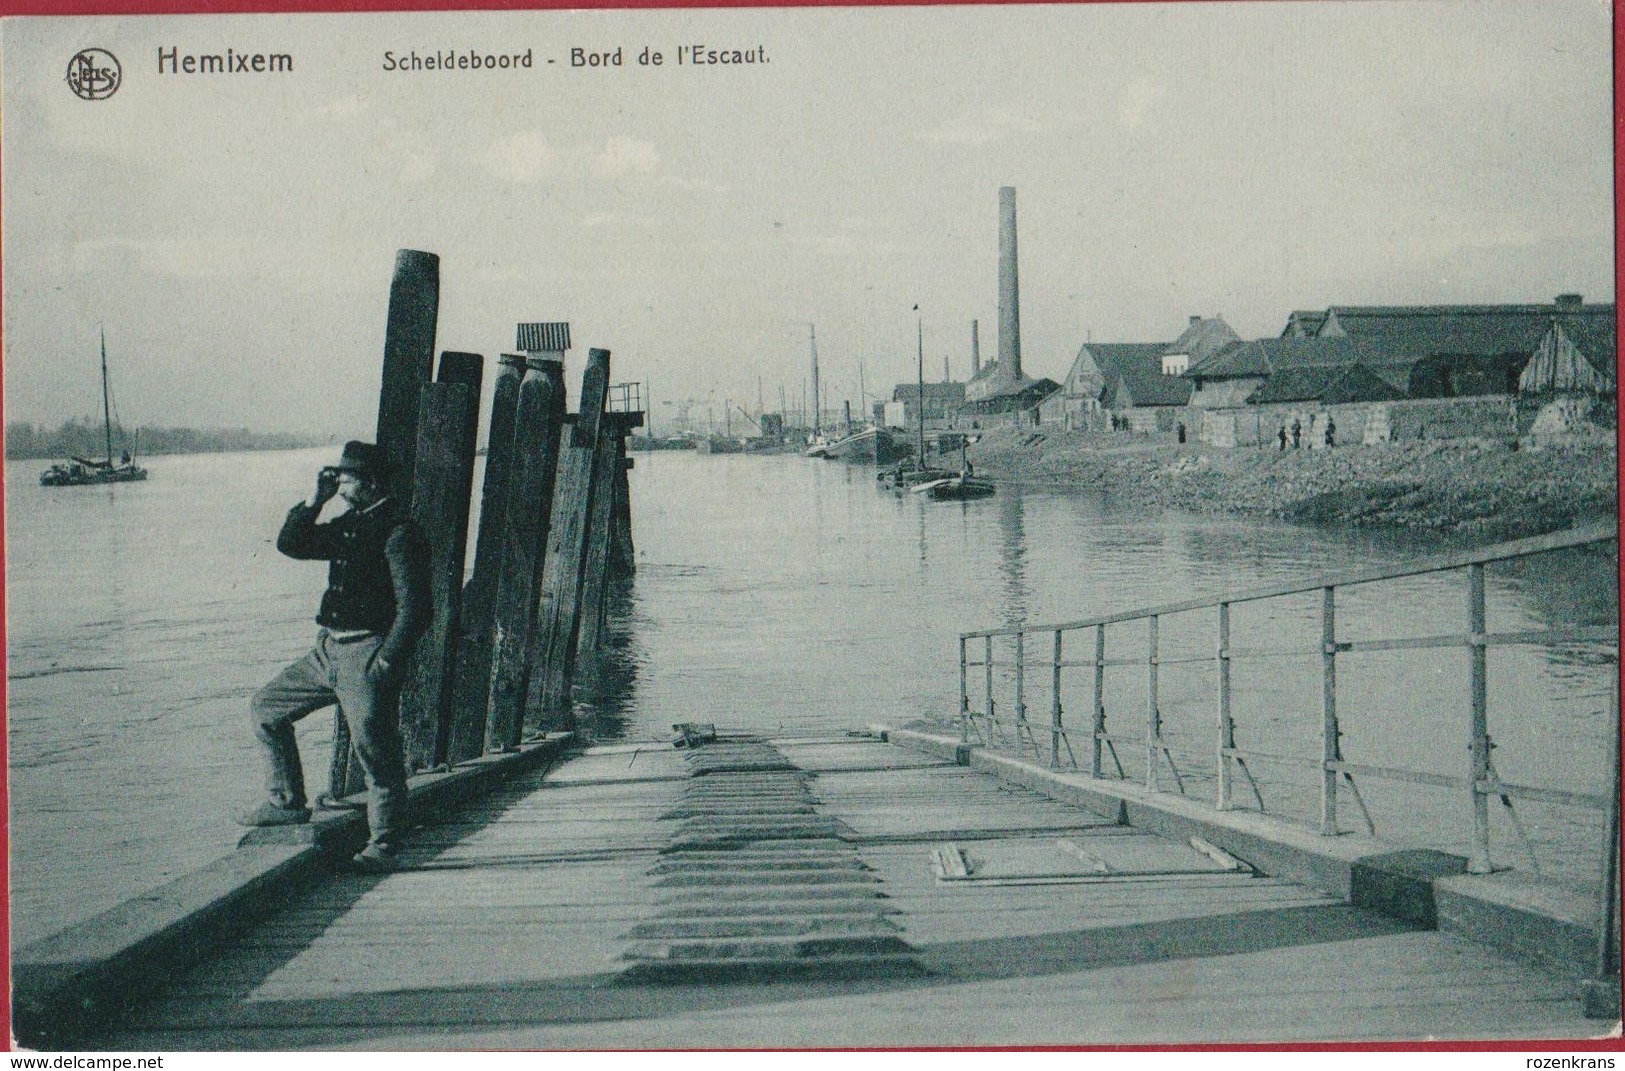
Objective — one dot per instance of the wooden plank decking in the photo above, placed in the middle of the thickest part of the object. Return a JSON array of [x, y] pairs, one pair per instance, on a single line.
[[636, 897]]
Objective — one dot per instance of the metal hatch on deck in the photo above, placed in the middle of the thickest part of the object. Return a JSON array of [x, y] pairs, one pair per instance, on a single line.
[[1079, 860]]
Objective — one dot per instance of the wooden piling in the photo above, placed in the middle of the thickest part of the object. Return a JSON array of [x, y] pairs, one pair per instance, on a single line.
[[414, 304], [471, 690], [622, 553], [595, 573], [538, 422], [563, 569], [448, 422], [409, 330]]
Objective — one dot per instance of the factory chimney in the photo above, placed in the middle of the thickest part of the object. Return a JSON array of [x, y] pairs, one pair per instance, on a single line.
[[975, 348], [1009, 297]]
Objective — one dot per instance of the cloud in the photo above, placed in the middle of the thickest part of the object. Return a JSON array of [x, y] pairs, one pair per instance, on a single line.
[[523, 157], [1138, 98], [618, 220], [203, 257], [983, 128], [344, 107], [624, 156], [694, 185], [417, 168]]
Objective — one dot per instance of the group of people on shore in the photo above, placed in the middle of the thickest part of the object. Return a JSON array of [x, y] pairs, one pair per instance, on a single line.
[[1297, 434]]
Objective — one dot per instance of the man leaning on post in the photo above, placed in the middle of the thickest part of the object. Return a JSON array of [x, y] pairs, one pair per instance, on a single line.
[[375, 608]]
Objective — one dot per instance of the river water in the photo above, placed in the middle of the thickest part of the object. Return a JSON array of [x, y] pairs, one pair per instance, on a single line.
[[772, 593]]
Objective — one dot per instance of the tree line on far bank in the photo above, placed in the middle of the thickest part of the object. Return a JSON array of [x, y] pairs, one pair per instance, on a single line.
[[83, 437]]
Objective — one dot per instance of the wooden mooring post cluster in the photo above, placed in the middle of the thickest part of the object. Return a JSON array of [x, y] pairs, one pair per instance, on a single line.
[[500, 659]]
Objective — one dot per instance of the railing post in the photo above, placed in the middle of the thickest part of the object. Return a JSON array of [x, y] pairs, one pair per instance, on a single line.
[[987, 674], [1055, 707], [1227, 727], [1478, 856], [1021, 688], [964, 697], [1602, 990], [1100, 701], [1153, 715], [1328, 705]]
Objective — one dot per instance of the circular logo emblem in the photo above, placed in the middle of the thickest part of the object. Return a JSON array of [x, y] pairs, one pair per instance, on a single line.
[[94, 74]]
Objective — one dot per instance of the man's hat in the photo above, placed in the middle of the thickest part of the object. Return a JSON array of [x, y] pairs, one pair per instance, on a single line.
[[365, 459]]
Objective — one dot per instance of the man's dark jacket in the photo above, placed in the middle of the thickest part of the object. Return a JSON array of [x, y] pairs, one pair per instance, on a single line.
[[379, 577]]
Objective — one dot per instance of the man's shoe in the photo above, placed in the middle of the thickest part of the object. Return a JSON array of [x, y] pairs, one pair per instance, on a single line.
[[270, 814], [373, 860]]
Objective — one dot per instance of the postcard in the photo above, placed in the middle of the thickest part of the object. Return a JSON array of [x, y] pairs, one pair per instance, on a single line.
[[1081, 525]]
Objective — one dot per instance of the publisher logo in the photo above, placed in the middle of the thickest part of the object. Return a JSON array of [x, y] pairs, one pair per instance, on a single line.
[[94, 74]]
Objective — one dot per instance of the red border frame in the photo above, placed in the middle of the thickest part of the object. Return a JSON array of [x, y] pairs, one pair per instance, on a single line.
[[234, 7]]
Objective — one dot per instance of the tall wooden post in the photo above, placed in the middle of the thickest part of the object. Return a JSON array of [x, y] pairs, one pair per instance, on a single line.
[[409, 329], [473, 684], [622, 554], [563, 570], [448, 423], [414, 304], [595, 573], [538, 422]]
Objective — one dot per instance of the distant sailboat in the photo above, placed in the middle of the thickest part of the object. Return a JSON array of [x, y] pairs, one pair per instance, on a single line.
[[77, 471]]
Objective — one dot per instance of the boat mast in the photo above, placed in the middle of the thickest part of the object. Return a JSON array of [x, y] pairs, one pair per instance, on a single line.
[[812, 338], [107, 417], [919, 324]]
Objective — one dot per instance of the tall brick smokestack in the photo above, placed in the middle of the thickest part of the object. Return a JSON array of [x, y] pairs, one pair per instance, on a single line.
[[975, 347], [1009, 297]]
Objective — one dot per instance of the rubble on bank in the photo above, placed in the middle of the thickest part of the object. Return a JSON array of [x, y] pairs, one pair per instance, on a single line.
[[1473, 486]]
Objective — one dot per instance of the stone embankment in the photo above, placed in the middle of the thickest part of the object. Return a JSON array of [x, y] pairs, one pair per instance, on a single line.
[[1475, 487]]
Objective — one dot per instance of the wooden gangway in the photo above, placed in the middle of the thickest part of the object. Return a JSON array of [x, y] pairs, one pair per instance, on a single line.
[[837, 891]]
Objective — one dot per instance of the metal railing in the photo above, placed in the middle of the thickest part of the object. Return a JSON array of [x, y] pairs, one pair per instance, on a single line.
[[1481, 781], [625, 398]]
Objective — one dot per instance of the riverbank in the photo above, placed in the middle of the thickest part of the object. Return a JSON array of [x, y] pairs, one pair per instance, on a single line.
[[1474, 487]]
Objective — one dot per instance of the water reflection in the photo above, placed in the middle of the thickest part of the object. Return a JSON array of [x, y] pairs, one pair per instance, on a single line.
[[1012, 556], [607, 682]]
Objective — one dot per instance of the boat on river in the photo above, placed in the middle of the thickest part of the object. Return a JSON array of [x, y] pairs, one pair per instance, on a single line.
[[79, 471], [906, 475], [959, 487], [718, 444], [871, 446]]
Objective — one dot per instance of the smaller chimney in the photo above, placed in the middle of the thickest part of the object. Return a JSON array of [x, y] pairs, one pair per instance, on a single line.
[[1570, 301], [975, 347], [1195, 320]]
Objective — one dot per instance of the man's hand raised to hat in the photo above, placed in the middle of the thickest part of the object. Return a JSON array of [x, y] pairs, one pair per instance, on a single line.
[[327, 485]]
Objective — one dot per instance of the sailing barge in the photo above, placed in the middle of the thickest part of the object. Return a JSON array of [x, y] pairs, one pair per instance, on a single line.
[[78, 471]]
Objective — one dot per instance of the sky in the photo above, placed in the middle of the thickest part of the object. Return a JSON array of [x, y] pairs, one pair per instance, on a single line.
[[234, 235]]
